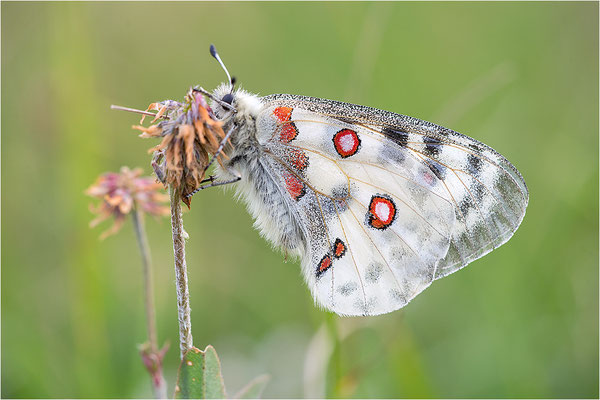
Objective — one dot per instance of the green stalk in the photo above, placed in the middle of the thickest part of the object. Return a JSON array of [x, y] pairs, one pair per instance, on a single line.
[[155, 365]]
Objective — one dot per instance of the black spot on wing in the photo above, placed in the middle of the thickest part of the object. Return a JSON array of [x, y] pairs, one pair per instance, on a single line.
[[437, 169], [465, 205], [475, 147], [397, 296], [373, 272], [346, 120], [474, 164], [396, 135], [433, 146], [477, 190], [340, 192], [347, 288], [340, 195]]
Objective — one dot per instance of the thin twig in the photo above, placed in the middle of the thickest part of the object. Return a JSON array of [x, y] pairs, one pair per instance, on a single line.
[[158, 380], [133, 110], [183, 295]]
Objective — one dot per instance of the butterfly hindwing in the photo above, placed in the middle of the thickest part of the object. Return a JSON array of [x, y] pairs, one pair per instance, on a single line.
[[387, 203]]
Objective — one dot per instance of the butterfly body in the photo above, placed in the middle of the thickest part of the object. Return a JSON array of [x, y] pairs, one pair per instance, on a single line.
[[377, 205]]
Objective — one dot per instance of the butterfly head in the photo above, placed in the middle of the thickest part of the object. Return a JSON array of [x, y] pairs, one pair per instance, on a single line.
[[238, 102], [227, 101]]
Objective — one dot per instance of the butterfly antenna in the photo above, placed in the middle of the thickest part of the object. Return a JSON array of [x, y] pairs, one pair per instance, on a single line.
[[213, 52], [233, 81]]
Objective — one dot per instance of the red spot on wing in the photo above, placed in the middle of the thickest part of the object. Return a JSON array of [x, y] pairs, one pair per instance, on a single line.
[[382, 212], [296, 158], [288, 132], [283, 114], [339, 248], [294, 186], [324, 265], [288, 129], [346, 142]]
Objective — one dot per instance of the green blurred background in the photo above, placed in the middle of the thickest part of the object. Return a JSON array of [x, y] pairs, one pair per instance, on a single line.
[[521, 77]]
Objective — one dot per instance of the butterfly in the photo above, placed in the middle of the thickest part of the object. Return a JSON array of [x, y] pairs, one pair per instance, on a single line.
[[377, 205]]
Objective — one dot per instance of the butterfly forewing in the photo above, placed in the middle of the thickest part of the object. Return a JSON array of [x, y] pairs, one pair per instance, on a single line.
[[388, 203]]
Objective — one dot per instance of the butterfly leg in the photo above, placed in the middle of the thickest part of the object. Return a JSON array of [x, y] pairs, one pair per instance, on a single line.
[[218, 152], [214, 183]]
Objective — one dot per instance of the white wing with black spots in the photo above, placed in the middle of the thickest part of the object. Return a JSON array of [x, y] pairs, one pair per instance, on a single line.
[[377, 204]]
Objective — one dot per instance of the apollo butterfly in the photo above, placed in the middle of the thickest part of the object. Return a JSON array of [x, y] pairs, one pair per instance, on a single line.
[[377, 205]]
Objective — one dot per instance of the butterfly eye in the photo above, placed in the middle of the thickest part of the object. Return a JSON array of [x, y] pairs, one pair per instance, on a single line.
[[228, 98]]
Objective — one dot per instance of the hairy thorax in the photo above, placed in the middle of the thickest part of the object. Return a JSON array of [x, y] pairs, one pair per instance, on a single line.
[[258, 187]]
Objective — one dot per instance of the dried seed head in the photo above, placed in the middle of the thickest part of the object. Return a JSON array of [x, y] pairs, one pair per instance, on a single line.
[[121, 192], [190, 134]]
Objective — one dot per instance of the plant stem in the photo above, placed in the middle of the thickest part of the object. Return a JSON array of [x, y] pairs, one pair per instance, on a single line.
[[158, 381], [140, 233], [183, 295]]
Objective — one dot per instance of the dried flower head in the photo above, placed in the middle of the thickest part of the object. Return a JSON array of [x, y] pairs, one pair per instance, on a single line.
[[189, 134], [121, 193]]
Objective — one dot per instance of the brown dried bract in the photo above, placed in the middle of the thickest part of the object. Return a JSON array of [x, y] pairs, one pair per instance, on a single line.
[[189, 137]]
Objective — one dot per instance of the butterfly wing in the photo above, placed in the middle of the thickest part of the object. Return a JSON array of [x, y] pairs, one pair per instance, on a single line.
[[387, 203]]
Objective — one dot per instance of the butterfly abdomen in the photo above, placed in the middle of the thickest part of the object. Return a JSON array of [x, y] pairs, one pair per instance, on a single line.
[[268, 205]]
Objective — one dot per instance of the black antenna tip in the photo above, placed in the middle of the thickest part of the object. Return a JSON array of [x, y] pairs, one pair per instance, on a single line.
[[213, 51], [233, 80]]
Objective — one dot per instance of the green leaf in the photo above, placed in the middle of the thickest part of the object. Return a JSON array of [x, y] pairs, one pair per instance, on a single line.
[[254, 389], [200, 376]]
